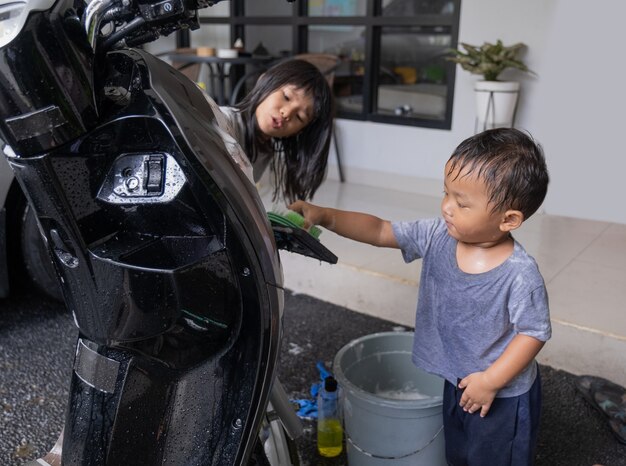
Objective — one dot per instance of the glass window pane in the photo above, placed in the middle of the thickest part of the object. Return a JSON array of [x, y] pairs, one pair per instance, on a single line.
[[413, 79], [268, 40], [417, 7], [347, 42], [222, 9], [268, 8], [216, 36], [337, 7], [262, 42]]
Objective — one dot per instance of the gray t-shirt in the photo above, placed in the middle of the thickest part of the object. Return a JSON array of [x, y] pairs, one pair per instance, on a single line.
[[465, 321]]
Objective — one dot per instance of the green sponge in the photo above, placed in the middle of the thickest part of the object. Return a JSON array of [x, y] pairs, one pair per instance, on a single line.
[[293, 220], [298, 219]]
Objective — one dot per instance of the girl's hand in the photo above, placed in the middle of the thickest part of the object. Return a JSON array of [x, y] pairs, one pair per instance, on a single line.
[[313, 215], [479, 393]]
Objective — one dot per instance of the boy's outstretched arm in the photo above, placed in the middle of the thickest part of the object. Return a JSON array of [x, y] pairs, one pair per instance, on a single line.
[[354, 225], [481, 387]]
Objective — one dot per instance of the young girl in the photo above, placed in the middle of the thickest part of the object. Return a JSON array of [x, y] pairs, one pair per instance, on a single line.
[[286, 122]]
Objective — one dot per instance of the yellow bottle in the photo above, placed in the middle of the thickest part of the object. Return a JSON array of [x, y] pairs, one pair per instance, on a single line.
[[329, 428], [329, 437]]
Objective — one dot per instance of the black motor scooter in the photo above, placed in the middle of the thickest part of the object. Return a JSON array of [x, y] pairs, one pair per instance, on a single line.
[[164, 252]]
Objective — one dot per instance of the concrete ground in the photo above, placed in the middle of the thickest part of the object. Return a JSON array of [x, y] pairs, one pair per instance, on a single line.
[[37, 343], [572, 432]]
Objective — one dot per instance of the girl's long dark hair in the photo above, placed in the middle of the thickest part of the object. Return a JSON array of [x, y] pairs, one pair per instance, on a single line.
[[299, 161]]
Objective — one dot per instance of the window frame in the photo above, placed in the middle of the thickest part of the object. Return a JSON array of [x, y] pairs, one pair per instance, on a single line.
[[373, 23]]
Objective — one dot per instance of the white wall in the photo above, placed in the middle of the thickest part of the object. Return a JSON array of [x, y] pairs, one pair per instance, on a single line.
[[574, 107]]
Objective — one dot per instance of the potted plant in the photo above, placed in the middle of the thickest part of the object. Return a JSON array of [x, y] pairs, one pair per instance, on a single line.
[[496, 101]]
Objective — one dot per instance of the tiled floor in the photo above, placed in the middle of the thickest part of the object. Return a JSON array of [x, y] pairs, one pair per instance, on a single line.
[[583, 263]]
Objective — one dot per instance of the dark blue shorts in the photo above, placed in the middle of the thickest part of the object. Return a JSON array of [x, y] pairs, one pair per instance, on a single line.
[[506, 436]]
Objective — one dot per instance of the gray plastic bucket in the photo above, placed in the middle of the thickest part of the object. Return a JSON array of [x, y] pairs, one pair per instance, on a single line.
[[392, 410]]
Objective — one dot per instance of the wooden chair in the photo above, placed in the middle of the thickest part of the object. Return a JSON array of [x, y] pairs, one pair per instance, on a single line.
[[324, 62]]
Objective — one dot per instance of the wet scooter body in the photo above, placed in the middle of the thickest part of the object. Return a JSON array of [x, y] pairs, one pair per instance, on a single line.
[[166, 259]]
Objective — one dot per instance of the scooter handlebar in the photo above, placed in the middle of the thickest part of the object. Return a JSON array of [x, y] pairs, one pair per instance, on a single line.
[[138, 22]]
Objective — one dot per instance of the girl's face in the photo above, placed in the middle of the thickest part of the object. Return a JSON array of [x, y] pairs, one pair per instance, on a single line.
[[285, 112], [466, 209]]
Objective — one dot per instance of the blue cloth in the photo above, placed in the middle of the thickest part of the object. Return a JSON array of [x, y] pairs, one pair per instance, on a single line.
[[506, 436], [307, 409], [465, 321]]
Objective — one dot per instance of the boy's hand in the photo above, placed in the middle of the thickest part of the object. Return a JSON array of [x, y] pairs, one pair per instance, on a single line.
[[313, 215], [358, 226], [481, 387], [479, 393]]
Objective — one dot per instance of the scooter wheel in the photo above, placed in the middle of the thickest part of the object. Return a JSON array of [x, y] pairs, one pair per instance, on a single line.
[[35, 257]]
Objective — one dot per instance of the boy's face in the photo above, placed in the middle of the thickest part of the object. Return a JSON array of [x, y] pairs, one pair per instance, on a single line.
[[466, 210]]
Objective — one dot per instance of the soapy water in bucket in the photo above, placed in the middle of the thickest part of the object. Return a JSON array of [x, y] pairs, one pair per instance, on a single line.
[[408, 392], [390, 375]]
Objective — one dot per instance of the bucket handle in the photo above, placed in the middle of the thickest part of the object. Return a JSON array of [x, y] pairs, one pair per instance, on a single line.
[[380, 457]]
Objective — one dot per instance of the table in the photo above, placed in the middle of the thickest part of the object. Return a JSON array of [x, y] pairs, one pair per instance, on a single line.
[[217, 69]]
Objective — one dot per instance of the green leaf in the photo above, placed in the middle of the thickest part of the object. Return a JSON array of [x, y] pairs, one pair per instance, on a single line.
[[488, 60]]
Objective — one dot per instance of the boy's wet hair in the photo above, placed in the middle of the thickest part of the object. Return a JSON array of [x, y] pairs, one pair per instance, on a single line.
[[302, 169], [511, 164]]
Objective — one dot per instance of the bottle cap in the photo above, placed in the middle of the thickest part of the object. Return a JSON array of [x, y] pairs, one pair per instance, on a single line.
[[330, 384]]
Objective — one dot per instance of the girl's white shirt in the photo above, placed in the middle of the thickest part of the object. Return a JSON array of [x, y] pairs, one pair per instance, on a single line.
[[232, 140], [236, 128]]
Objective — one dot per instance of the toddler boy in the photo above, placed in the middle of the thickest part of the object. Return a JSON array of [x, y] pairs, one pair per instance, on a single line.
[[482, 313]]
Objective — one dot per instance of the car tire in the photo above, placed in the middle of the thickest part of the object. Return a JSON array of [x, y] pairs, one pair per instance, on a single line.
[[36, 259]]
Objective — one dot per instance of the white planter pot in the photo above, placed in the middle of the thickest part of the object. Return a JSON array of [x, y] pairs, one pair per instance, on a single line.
[[496, 102]]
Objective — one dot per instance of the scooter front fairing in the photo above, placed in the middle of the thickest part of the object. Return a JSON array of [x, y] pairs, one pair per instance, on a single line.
[[167, 262]]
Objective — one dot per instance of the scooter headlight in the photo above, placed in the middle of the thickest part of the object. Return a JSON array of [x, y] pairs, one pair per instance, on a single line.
[[13, 17]]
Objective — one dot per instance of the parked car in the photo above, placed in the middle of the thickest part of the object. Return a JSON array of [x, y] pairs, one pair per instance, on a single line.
[[23, 254]]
